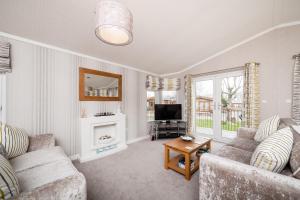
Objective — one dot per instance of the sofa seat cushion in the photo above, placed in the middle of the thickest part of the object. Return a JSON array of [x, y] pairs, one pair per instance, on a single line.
[[244, 144], [38, 158], [41, 175], [236, 154]]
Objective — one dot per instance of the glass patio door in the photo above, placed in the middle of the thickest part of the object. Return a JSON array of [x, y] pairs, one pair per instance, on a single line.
[[218, 105]]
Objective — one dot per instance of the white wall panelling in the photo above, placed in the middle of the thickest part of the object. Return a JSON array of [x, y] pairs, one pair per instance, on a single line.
[[42, 93]]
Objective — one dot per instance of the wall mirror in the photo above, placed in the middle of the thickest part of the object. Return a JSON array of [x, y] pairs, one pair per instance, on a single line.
[[97, 85]]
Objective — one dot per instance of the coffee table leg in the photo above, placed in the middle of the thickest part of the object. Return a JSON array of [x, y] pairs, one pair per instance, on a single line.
[[167, 157], [187, 166]]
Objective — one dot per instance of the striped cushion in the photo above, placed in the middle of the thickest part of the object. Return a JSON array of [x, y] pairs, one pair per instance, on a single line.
[[274, 152], [266, 128], [3, 151], [14, 140], [9, 186]]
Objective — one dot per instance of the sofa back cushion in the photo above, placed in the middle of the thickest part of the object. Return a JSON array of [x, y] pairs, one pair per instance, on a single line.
[[14, 140], [9, 186], [274, 152], [266, 128]]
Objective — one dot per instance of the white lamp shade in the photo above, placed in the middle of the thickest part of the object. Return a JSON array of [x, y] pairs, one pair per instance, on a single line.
[[114, 23]]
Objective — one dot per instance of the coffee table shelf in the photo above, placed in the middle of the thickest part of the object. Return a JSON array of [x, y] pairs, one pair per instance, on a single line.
[[173, 164]]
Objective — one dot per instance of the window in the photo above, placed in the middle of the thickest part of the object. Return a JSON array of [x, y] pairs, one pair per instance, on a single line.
[[168, 97], [150, 105]]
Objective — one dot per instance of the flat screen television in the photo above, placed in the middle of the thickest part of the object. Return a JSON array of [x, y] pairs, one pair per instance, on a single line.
[[168, 112]]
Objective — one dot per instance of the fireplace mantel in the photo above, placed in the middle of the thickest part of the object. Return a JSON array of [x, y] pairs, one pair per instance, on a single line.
[[101, 136]]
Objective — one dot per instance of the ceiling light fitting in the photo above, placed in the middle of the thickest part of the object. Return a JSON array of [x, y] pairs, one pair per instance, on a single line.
[[114, 23]]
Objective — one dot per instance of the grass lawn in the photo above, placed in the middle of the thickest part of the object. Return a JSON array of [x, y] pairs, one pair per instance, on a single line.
[[208, 123]]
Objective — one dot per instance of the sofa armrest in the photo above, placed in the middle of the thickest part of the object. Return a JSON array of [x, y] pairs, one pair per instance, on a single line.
[[247, 133], [221, 178], [70, 188], [41, 141]]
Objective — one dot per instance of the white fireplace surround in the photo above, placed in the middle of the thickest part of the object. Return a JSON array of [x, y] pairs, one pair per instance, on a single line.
[[101, 136]]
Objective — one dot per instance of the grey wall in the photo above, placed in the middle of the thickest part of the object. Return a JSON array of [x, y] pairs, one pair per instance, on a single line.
[[274, 52], [42, 94]]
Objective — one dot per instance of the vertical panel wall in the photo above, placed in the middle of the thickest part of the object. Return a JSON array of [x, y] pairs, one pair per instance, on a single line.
[[42, 94]]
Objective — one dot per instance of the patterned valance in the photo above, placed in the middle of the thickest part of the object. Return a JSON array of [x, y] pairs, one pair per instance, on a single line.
[[154, 83], [5, 64]]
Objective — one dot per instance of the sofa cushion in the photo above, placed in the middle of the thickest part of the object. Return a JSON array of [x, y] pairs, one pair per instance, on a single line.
[[287, 171], [3, 151], [266, 128], [41, 175], [236, 154], [37, 158], [274, 152], [244, 144], [15, 140], [9, 186], [295, 154]]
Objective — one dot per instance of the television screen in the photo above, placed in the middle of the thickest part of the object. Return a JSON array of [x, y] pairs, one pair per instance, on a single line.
[[168, 112]]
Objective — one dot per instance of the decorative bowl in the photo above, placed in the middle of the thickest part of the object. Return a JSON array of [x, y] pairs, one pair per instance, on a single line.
[[187, 138]]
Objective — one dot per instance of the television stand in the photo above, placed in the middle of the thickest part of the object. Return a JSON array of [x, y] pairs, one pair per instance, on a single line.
[[168, 129]]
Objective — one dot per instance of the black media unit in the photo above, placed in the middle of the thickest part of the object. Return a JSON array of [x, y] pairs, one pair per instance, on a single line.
[[168, 129]]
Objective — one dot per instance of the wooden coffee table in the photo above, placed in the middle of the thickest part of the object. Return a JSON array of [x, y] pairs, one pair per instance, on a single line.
[[186, 149]]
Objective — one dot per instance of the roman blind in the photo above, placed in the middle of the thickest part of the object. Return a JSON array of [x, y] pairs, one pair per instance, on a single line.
[[5, 62], [154, 83]]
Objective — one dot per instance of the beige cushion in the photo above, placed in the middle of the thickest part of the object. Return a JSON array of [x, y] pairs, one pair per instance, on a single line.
[[236, 154], [40, 175], [14, 140], [273, 153], [245, 144], [9, 186], [266, 128], [37, 158]]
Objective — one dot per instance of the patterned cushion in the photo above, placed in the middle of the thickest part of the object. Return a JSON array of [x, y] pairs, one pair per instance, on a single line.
[[3, 151], [9, 186], [266, 128], [14, 140], [295, 154], [274, 152]]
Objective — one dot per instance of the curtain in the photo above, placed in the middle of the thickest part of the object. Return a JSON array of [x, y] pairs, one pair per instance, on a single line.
[[5, 65], [251, 110], [188, 102], [296, 90], [167, 84]]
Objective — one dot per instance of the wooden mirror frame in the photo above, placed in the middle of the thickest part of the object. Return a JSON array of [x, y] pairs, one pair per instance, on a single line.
[[82, 97]]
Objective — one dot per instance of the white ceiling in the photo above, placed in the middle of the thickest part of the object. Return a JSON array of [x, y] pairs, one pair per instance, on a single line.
[[169, 35]]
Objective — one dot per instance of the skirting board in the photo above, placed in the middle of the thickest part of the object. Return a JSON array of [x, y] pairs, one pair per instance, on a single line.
[[138, 139], [74, 157]]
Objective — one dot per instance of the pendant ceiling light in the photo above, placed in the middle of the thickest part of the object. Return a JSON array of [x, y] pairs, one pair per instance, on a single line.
[[114, 23]]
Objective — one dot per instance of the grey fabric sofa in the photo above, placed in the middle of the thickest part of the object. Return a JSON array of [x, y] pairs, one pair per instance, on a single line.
[[228, 175], [45, 172]]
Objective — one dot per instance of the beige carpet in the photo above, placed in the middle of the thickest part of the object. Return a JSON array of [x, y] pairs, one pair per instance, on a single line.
[[138, 173]]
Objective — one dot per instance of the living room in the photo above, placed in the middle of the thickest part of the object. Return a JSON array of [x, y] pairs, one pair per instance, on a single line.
[[130, 100]]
